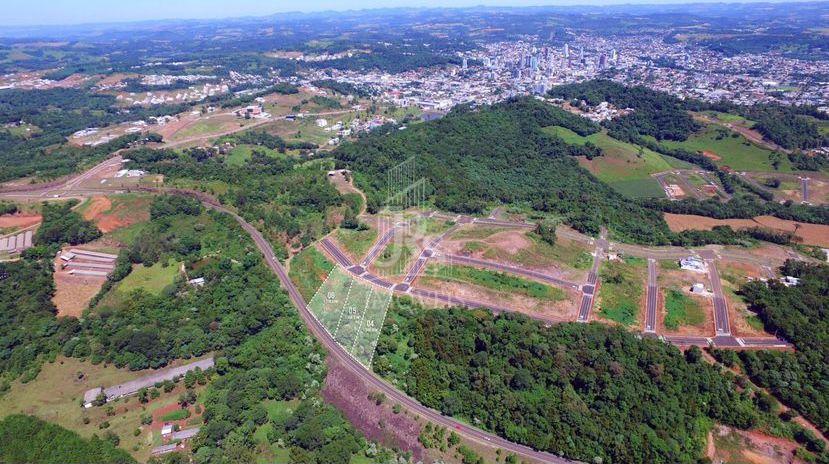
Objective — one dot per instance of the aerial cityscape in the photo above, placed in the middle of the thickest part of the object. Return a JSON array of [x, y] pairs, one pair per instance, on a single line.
[[414, 233]]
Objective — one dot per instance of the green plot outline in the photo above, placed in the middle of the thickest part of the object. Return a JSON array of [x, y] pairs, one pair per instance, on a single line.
[[352, 312]]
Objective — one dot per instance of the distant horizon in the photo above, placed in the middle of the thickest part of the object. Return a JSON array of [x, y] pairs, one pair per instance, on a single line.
[[20, 14]]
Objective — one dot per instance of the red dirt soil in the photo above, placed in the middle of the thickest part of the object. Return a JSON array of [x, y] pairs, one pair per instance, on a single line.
[[108, 218], [809, 234], [19, 220], [349, 394]]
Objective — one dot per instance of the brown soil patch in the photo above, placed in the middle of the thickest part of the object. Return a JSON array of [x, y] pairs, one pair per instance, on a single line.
[[349, 394], [809, 234], [711, 155], [733, 275], [97, 207], [559, 311], [19, 220], [73, 293], [754, 447], [109, 218]]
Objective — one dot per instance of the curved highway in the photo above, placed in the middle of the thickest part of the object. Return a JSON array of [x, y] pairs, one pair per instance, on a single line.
[[71, 187]]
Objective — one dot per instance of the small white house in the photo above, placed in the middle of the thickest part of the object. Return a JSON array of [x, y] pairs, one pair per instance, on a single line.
[[321, 122], [197, 282], [698, 289], [166, 430]]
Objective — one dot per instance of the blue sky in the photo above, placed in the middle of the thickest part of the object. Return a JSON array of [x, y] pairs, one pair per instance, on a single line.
[[45, 12]]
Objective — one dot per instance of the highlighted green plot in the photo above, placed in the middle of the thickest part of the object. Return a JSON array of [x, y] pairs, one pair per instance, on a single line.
[[352, 311]]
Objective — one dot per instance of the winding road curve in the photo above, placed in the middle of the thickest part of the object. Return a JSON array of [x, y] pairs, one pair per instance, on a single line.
[[68, 188]]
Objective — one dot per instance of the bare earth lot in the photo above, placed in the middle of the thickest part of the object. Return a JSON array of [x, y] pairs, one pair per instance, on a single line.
[[809, 234]]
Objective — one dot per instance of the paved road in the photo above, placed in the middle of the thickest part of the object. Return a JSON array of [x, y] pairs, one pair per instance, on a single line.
[[652, 299], [391, 392], [589, 289], [379, 246], [61, 187], [721, 321]]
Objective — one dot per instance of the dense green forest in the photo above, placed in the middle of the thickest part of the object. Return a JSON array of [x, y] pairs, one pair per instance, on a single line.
[[656, 114], [29, 330], [800, 314], [289, 199], [27, 439], [63, 225], [585, 391], [474, 159], [786, 126]]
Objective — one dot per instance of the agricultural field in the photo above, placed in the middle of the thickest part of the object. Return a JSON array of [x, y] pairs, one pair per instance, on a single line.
[[114, 212], [729, 118], [624, 166], [730, 149], [242, 153], [804, 233], [55, 396], [621, 290]]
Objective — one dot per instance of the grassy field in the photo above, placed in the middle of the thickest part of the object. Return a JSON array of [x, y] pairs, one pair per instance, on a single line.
[[681, 310], [497, 281], [202, 127], [308, 270], [152, 279], [624, 166], [730, 118], [242, 153], [356, 242], [621, 290], [56, 393], [395, 259], [733, 149]]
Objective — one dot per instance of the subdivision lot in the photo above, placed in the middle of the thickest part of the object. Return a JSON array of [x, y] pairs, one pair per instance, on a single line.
[[546, 309], [622, 290], [733, 275], [683, 312], [567, 259]]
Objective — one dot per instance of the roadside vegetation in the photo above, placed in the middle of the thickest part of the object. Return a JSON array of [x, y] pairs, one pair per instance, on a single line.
[[799, 314], [553, 384]]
